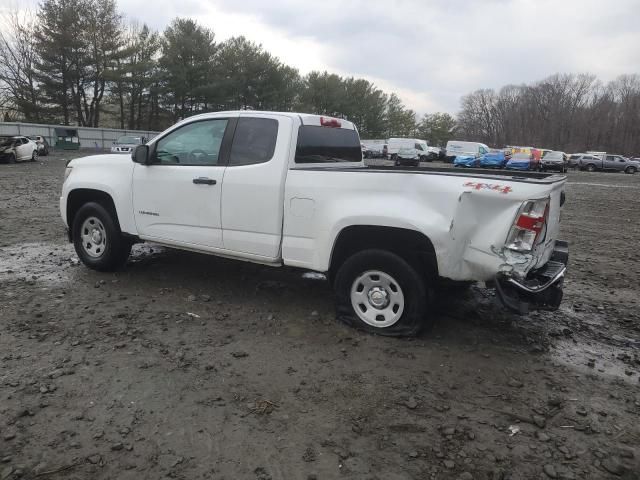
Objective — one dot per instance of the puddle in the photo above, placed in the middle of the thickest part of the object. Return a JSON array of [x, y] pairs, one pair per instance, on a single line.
[[32, 262], [53, 262], [596, 359]]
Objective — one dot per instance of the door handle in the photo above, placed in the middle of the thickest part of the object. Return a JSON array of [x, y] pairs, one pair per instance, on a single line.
[[204, 181]]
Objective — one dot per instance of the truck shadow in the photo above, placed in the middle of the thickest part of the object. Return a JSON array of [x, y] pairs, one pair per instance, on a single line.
[[472, 315]]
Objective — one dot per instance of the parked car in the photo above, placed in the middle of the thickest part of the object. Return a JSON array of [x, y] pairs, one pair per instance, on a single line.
[[421, 146], [43, 145], [554, 160], [466, 161], [496, 159], [607, 162], [457, 148], [521, 161], [127, 143], [292, 189], [573, 159], [409, 156], [17, 148], [373, 151]]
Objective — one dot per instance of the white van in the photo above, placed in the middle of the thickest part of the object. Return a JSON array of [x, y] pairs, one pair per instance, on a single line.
[[456, 148], [395, 144]]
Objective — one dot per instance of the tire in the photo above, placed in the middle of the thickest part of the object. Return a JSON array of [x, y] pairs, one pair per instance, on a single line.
[[105, 250], [590, 168], [405, 318], [13, 158], [630, 170], [34, 155]]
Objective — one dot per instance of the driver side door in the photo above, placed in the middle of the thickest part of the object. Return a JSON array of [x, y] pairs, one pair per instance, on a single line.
[[176, 198]]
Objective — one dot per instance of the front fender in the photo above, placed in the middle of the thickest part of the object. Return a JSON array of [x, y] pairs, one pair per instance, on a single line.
[[110, 174]]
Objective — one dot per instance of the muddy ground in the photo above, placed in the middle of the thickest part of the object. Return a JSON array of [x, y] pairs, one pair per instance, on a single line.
[[192, 367]]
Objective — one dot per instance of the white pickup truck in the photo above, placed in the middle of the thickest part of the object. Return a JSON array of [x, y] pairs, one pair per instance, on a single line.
[[291, 189]]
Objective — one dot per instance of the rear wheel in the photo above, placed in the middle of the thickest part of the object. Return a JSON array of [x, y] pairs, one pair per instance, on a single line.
[[97, 238], [379, 292]]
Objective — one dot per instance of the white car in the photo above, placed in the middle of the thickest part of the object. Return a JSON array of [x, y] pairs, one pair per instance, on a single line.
[[17, 149], [394, 145], [456, 148], [292, 189]]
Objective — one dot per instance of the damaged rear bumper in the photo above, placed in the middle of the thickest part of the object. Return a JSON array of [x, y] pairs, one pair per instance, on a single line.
[[541, 289]]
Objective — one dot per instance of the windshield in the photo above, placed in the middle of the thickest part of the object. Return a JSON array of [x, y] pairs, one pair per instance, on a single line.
[[4, 141], [125, 139]]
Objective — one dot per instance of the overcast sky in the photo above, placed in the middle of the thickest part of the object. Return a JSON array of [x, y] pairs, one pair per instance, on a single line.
[[430, 52]]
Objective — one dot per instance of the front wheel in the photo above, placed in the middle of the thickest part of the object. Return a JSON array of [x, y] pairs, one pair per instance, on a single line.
[[34, 155], [379, 292], [630, 170], [591, 168], [97, 238]]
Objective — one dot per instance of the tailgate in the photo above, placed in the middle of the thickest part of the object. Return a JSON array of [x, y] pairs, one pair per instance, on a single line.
[[546, 247]]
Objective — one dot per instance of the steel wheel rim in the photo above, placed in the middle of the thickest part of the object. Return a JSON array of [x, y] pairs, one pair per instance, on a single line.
[[377, 299], [94, 237]]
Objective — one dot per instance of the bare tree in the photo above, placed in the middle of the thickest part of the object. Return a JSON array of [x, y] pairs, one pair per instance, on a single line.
[[18, 52], [564, 111]]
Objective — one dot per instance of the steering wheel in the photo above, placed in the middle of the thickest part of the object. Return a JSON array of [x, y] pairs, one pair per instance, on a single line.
[[194, 155]]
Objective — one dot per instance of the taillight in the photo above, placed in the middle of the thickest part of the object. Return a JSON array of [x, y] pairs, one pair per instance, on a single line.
[[330, 122], [530, 225]]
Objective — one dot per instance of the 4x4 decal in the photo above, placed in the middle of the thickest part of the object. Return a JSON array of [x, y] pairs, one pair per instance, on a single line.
[[488, 186]]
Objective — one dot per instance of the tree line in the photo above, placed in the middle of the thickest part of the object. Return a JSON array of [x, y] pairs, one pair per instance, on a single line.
[[77, 62], [572, 113]]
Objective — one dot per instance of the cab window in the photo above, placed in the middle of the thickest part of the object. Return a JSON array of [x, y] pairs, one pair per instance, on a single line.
[[327, 145], [196, 143], [254, 141]]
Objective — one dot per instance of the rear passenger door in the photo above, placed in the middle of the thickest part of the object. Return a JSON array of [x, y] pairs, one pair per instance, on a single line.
[[253, 186], [609, 162]]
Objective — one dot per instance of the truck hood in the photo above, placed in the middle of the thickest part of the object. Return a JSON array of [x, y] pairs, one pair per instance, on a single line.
[[101, 160]]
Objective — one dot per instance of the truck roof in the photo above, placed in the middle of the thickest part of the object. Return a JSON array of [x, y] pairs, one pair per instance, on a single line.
[[304, 118]]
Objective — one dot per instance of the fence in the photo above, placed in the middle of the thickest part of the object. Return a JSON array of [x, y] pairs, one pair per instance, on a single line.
[[95, 138]]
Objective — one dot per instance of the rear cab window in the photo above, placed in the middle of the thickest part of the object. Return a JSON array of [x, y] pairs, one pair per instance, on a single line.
[[321, 144]]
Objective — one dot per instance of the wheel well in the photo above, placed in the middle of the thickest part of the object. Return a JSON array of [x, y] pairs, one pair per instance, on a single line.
[[413, 246], [77, 198]]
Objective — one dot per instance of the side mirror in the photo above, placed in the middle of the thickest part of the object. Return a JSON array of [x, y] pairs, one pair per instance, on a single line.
[[141, 155]]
